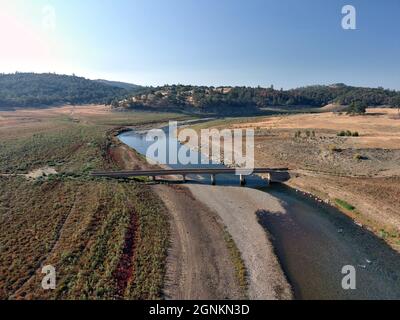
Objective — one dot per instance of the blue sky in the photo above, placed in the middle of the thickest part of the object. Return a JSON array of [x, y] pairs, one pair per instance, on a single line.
[[287, 43]]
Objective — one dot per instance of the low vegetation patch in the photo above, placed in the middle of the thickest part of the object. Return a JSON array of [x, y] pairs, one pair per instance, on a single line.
[[347, 133], [107, 239], [240, 268], [345, 205], [80, 228], [307, 134]]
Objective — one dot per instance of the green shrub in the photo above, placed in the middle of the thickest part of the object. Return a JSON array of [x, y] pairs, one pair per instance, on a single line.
[[347, 133], [357, 107], [344, 204]]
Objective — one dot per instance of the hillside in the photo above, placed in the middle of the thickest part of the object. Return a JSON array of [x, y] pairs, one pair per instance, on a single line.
[[124, 85], [246, 100], [40, 90]]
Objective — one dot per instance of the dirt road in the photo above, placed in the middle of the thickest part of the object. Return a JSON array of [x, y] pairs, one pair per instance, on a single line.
[[199, 265]]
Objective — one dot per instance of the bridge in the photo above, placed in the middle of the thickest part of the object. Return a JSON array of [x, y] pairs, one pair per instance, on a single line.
[[184, 172]]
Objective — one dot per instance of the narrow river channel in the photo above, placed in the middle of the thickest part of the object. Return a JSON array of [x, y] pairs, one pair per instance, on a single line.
[[313, 241]]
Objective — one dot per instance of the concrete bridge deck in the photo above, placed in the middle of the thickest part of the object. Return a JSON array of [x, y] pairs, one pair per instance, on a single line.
[[186, 171]]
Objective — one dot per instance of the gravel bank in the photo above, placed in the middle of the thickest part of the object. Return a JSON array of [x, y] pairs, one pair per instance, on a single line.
[[237, 208]]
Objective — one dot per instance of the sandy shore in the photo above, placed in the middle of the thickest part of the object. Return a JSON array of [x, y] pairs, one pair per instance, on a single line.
[[237, 208]]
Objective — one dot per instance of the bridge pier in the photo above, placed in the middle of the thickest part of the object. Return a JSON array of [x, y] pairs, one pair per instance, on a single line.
[[213, 179], [268, 178], [242, 180], [184, 178]]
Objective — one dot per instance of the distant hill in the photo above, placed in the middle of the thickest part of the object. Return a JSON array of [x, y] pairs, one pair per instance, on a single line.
[[247, 100], [123, 85], [41, 90]]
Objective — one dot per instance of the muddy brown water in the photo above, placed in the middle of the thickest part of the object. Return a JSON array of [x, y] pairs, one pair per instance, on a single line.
[[313, 241]]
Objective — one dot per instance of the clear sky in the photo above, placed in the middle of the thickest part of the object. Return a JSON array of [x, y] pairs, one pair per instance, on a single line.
[[287, 43]]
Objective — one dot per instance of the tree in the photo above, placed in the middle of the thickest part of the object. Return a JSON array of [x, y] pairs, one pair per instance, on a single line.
[[395, 103], [357, 107]]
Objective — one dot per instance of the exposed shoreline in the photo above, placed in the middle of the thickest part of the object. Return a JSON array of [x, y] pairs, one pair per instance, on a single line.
[[266, 279], [237, 208]]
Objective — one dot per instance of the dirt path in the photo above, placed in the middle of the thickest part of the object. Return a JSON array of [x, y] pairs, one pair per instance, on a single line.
[[199, 264], [237, 208]]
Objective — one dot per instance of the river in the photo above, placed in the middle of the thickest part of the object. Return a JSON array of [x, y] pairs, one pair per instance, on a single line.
[[313, 241]]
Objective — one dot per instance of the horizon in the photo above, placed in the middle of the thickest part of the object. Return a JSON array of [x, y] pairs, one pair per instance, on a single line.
[[285, 44], [202, 85]]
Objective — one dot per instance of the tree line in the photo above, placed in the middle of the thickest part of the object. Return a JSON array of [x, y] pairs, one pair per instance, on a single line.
[[256, 98], [36, 90]]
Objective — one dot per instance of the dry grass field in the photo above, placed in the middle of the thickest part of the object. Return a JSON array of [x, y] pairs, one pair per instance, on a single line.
[[378, 128], [107, 240]]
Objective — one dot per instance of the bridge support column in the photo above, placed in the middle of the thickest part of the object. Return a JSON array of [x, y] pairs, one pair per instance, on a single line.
[[268, 178], [153, 178], [184, 178], [213, 179], [242, 180]]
